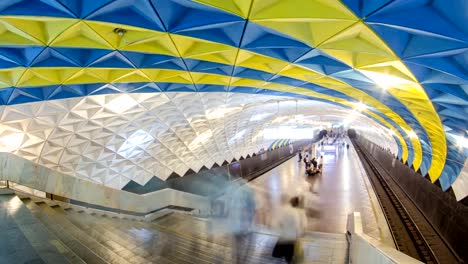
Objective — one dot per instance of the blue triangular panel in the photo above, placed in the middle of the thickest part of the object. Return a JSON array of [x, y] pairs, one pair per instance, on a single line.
[[112, 60], [34, 8], [26, 95], [208, 67], [83, 56], [143, 60], [272, 43], [21, 56], [82, 8], [63, 91], [136, 13], [362, 8], [52, 58]]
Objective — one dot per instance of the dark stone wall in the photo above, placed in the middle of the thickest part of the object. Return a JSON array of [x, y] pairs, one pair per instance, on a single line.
[[441, 208]]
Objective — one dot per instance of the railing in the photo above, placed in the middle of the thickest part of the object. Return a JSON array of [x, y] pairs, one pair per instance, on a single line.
[[364, 249]]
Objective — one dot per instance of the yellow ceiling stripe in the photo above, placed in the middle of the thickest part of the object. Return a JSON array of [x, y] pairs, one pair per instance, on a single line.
[[41, 76], [94, 34], [333, 28]]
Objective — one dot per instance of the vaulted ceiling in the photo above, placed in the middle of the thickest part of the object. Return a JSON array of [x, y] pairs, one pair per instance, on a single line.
[[403, 63]]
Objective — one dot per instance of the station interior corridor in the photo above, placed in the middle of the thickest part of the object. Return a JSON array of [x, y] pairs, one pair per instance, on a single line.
[[182, 238], [341, 188]]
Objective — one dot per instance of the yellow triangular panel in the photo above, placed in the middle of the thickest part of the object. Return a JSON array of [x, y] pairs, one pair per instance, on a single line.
[[265, 9], [11, 35], [176, 76], [225, 57], [356, 59], [132, 76], [332, 83], [310, 31], [203, 78], [300, 73], [160, 44], [260, 62], [9, 77], [81, 35], [46, 76], [359, 38], [85, 76], [45, 29], [246, 82], [238, 7], [394, 68]]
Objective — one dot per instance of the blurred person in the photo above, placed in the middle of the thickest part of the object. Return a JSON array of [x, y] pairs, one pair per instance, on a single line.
[[314, 163], [320, 163], [239, 219], [290, 223]]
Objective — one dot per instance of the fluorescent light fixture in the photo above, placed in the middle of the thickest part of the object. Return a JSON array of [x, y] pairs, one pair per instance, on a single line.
[[121, 104], [220, 112], [385, 80], [11, 142]]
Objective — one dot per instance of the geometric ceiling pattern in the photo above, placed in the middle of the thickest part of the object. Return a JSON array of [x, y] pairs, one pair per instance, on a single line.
[[405, 60], [112, 139]]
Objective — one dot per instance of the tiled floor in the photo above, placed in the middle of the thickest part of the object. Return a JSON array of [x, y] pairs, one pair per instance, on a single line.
[[177, 238], [329, 197], [23, 238]]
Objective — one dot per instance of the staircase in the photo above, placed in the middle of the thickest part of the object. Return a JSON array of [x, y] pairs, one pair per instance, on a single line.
[[51, 233]]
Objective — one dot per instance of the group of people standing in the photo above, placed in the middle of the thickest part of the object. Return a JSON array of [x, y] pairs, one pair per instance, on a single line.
[[312, 166]]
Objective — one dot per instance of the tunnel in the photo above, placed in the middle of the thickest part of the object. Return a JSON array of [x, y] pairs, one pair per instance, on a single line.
[[125, 126]]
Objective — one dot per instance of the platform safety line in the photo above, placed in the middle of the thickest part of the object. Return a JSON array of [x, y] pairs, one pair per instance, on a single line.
[[366, 183]]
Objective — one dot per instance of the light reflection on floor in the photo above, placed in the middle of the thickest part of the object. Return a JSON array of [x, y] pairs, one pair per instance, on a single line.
[[330, 196]]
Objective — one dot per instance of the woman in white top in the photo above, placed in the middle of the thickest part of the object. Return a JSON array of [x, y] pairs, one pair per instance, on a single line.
[[290, 225]]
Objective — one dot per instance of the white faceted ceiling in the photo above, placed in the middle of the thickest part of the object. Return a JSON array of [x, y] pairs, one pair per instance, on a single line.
[[112, 139]]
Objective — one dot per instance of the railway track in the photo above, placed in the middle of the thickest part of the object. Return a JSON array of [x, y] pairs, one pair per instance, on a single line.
[[412, 233]]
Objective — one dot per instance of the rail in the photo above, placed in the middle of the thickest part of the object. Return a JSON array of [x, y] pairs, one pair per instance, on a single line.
[[408, 238]]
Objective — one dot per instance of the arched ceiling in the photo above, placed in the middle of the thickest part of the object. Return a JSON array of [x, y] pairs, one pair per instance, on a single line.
[[402, 62], [112, 139]]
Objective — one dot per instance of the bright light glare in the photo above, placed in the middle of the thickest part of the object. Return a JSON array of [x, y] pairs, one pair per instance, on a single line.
[[412, 134], [461, 141], [121, 104], [11, 142], [237, 136], [200, 139], [289, 132], [360, 106], [299, 117], [385, 80], [221, 112], [259, 117]]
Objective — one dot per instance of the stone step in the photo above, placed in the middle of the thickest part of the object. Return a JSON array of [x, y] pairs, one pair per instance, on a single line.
[[54, 225], [57, 231], [105, 236], [24, 239], [81, 236]]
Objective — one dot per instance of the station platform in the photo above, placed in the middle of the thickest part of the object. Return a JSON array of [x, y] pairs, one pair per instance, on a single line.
[[59, 234], [341, 188]]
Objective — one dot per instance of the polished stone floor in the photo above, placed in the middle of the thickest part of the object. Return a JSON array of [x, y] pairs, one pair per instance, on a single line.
[[38, 231], [339, 190]]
